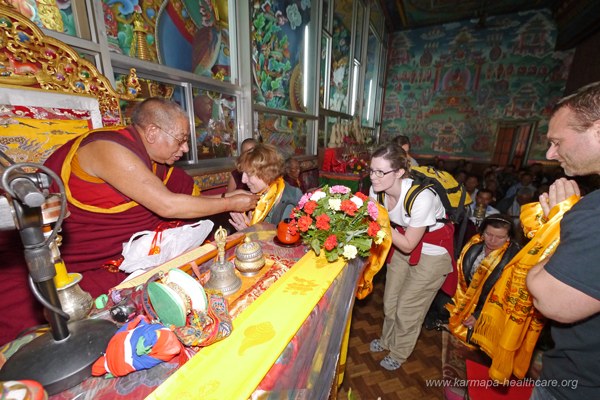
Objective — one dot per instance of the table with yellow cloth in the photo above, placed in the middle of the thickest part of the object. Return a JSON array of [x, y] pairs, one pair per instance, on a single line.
[[285, 343]]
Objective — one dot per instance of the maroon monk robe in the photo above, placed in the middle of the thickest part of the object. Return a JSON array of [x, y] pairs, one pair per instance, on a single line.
[[90, 239]]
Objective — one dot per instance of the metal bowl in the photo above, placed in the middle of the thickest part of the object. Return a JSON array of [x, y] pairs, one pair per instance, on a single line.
[[249, 258]]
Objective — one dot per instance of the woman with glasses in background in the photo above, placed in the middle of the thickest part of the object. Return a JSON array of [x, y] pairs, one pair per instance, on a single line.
[[420, 256]]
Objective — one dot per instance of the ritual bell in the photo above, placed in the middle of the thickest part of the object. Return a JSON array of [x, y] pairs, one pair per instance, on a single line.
[[222, 272]]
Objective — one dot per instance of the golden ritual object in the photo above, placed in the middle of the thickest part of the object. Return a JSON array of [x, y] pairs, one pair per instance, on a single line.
[[249, 258], [222, 272], [139, 48]]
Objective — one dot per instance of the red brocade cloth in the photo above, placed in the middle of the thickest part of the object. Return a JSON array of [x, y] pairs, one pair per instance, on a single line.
[[443, 237]]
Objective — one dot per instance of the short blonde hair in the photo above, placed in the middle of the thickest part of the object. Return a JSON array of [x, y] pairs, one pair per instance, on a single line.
[[263, 161]]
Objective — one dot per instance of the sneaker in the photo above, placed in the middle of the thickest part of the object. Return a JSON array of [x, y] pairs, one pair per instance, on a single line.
[[389, 363], [376, 346]]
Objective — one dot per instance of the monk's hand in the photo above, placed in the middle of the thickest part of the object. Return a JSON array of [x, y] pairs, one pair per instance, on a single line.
[[239, 221], [242, 202], [559, 191]]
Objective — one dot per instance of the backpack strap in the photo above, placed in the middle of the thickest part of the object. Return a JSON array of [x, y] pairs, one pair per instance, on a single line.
[[415, 190]]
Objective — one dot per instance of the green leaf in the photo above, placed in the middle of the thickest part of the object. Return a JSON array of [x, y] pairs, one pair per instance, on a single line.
[[332, 255], [362, 243], [316, 246]]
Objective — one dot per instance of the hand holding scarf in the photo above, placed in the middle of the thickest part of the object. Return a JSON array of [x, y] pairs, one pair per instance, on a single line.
[[509, 326]]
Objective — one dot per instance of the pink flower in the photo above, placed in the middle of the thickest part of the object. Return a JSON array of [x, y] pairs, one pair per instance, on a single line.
[[372, 210], [303, 200], [339, 189]]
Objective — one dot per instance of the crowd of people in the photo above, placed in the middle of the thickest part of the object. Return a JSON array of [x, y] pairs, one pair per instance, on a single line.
[[561, 282], [127, 177]]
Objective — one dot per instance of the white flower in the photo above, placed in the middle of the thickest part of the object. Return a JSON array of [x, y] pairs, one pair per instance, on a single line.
[[357, 200], [318, 195], [335, 204], [380, 236], [350, 252]]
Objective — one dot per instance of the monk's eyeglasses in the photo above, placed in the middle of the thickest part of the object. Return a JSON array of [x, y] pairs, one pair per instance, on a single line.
[[180, 142]]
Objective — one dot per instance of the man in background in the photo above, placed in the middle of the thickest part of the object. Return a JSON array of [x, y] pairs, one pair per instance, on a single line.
[[565, 287]]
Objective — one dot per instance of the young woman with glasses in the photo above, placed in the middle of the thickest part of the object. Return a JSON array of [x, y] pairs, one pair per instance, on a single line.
[[417, 267]]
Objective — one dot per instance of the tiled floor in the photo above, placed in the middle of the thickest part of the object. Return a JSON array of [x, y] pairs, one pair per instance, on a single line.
[[368, 380]]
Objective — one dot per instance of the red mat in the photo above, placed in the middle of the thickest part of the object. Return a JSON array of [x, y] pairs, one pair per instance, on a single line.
[[481, 387]]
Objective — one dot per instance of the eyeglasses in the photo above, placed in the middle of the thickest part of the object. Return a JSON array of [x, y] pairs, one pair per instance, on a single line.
[[494, 237], [180, 142], [378, 173]]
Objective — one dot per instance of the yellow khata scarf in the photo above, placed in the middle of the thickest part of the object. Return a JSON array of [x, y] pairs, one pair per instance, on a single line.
[[267, 200], [509, 326], [466, 297], [377, 256]]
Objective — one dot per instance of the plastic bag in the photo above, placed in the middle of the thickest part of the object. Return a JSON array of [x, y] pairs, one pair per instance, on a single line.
[[148, 249]]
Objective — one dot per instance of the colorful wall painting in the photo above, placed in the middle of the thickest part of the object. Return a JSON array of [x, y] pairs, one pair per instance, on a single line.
[[56, 15], [277, 52], [215, 118], [340, 56], [169, 31], [448, 86]]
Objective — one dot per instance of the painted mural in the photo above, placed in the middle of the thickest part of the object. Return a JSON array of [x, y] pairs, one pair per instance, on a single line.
[[340, 56], [168, 31], [450, 85], [278, 29], [56, 15]]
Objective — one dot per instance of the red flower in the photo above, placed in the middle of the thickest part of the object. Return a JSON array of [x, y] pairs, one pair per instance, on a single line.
[[304, 223], [293, 227], [330, 243], [323, 222], [373, 228], [361, 196], [310, 207], [348, 207], [293, 212]]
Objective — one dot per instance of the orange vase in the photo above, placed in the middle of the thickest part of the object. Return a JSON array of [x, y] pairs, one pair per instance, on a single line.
[[283, 232]]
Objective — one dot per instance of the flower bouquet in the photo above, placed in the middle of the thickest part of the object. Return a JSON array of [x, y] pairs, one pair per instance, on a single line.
[[338, 222], [356, 165]]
